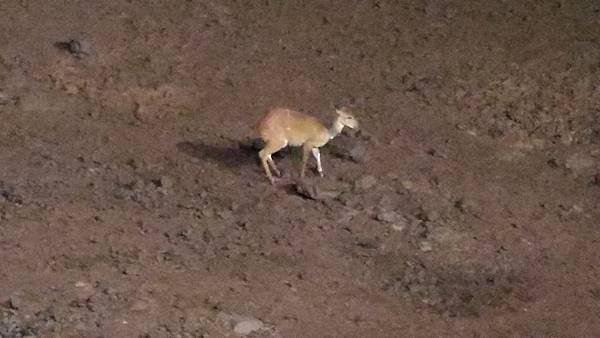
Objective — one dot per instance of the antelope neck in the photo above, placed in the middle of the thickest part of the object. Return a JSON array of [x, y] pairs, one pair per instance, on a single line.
[[335, 129]]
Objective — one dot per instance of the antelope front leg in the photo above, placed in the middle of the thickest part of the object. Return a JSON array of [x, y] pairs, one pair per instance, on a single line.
[[317, 155], [265, 165], [273, 166]]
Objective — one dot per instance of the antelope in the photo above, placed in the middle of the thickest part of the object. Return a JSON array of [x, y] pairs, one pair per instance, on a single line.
[[281, 127]]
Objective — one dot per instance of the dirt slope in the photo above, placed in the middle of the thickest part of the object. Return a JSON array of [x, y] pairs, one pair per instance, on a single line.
[[132, 203]]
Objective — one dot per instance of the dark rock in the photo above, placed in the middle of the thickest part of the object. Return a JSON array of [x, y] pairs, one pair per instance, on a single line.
[[76, 47], [311, 190]]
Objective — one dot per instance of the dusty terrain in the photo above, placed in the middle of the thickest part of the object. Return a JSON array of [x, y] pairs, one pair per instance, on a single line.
[[132, 203]]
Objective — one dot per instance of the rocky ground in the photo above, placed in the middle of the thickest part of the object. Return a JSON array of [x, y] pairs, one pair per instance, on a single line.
[[132, 203]]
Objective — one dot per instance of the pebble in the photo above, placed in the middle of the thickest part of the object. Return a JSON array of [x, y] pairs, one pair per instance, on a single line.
[[389, 217], [425, 246], [365, 182], [305, 189], [166, 182], [76, 47], [433, 215], [242, 325], [83, 285], [16, 301], [399, 227], [225, 214], [248, 326], [94, 112], [207, 212], [358, 154], [311, 190], [408, 185], [465, 205], [4, 98]]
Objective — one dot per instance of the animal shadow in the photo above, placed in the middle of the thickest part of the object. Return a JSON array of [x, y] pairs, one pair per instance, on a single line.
[[232, 157]]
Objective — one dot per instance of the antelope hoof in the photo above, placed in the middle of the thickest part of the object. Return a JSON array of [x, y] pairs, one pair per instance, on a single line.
[[321, 174]]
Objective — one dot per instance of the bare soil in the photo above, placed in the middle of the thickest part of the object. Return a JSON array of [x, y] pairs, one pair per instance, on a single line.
[[132, 203]]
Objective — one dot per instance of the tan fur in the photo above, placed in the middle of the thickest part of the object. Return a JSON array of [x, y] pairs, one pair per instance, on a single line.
[[281, 127]]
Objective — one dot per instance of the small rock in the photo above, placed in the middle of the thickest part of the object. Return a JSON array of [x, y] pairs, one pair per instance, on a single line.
[[27, 304], [465, 205], [460, 126], [310, 189], [71, 89], [166, 182], [552, 163], [347, 215], [347, 149], [389, 217], [16, 301], [4, 98], [207, 212], [579, 162], [140, 305], [138, 185], [82, 285], [225, 214], [94, 113], [432, 215], [577, 209], [241, 325], [6, 191], [75, 47], [572, 212], [365, 182], [305, 189], [358, 154], [132, 270], [399, 227], [566, 139], [425, 246], [122, 193], [144, 113], [248, 326], [408, 185]]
